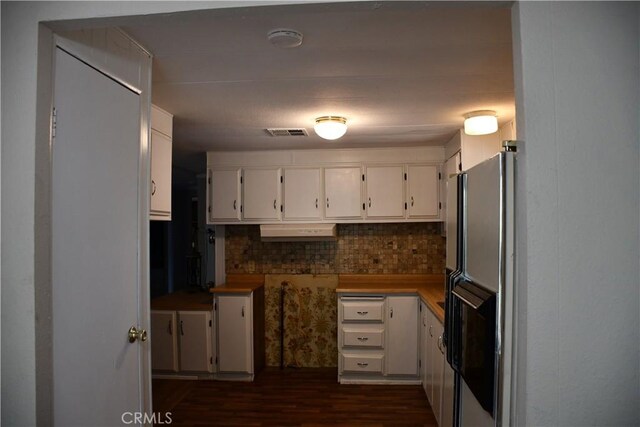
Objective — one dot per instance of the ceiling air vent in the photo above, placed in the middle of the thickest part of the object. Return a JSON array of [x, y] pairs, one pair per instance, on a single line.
[[287, 132]]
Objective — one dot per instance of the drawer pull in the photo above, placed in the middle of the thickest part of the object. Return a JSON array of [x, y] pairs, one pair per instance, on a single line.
[[363, 339], [363, 313], [363, 365]]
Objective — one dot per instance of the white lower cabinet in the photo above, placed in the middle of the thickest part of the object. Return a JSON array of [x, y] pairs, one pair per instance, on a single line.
[[164, 341], [437, 375], [181, 341], [378, 339], [196, 353], [402, 335], [240, 334]]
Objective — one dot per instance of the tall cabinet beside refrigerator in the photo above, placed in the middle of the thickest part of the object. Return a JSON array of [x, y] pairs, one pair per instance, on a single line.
[[480, 291]]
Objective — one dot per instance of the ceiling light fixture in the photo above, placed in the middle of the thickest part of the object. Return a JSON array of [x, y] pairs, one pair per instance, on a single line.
[[330, 127], [482, 122]]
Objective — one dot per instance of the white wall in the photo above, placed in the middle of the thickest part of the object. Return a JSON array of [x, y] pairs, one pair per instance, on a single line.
[[577, 76]]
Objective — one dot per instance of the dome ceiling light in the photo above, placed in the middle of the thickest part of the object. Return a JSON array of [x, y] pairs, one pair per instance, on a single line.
[[330, 127], [482, 122]]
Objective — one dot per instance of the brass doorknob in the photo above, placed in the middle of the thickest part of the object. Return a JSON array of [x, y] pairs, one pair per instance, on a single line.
[[137, 334]]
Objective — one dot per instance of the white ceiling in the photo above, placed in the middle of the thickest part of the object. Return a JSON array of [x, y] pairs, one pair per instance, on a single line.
[[403, 73]]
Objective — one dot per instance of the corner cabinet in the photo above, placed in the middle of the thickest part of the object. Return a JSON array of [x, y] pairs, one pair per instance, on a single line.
[[422, 191], [240, 334], [161, 146]]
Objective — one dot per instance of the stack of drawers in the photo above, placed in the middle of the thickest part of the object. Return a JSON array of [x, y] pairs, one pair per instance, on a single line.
[[361, 335]]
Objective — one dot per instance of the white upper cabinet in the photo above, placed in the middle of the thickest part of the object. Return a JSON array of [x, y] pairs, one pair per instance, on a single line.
[[422, 191], [302, 199], [161, 134], [384, 192], [224, 195], [261, 194], [342, 188]]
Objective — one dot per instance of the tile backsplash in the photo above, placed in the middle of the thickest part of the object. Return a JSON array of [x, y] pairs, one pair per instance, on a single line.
[[400, 248]]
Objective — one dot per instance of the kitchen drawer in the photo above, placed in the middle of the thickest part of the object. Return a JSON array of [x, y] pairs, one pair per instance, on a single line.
[[370, 363], [362, 310], [352, 337]]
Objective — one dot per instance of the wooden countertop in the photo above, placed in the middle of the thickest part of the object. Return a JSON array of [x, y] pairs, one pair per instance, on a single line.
[[430, 287], [183, 300], [239, 284]]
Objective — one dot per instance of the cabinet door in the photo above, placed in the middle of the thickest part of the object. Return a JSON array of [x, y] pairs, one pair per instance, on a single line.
[[164, 341], [446, 415], [402, 335], [224, 195], [195, 341], [430, 345], [422, 191], [438, 369], [301, 197], [160, 175], [234, 333], [424, 356], [261, 194], [342, 192], [385, 191]]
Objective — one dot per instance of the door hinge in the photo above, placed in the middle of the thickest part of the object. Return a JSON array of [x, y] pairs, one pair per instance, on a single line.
[[405, 206], [281, 208], [460, 166], [216, 360], [215, 306], [363, 207], [210, 323], [362, 177], [241, 180], [420, 363], [209, 209], [211, 360], [54, 122], [240, 208], [439, 205], [405, 176], [209, 180], [420, 307], [439, 176], [281, 179]]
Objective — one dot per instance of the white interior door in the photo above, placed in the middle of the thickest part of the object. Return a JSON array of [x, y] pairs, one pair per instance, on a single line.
[[95, 247]]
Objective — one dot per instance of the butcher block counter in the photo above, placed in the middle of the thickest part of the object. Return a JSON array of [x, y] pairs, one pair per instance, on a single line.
[[239, 284], [430, 287], [184, 301]]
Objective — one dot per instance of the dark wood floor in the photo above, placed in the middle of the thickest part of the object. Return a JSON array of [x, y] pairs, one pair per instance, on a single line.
[[291, 397]]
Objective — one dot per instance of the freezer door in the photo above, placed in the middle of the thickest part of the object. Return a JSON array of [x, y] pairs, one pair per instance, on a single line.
[[484, 216]]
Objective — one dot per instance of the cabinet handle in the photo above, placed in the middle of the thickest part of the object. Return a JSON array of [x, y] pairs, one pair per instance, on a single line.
[[411, 200], [234, 205], [181, 328], [362, 313], [170, 328], [243, 311], [391, 313], [363, 339], [316, 203], [369, 201], [274, 205], [153, 187], [431, 330], [327, 202], [363, 365]]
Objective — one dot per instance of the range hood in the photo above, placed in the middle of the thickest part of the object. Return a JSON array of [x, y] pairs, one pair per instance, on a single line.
[[297, 232]]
